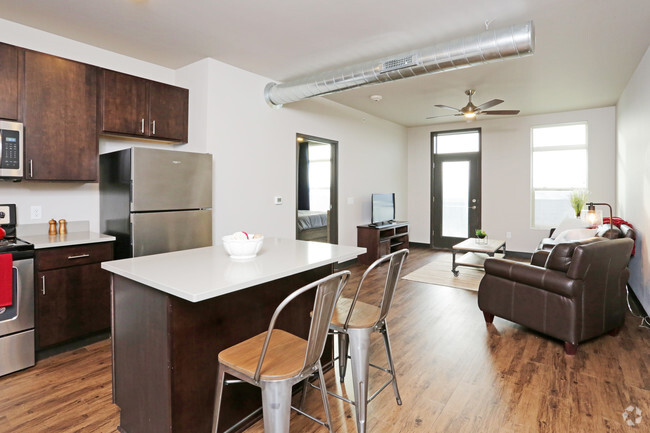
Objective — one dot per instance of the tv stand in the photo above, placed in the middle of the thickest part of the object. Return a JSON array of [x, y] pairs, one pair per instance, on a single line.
[[382, 239]]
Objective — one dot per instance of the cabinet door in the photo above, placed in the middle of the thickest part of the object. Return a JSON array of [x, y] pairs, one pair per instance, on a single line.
[[72, 302], [60, 119], [168, 112], [8, 82], [123, 104]]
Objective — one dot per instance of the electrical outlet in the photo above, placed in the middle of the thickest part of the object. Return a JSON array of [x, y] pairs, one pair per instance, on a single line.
[[36, 212], [508, 235]]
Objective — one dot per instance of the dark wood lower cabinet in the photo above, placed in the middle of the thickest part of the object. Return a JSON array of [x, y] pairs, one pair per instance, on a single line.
[[72, 300]]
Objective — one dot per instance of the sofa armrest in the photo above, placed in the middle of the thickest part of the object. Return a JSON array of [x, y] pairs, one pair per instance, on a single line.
[[535, 276], [539, 258]]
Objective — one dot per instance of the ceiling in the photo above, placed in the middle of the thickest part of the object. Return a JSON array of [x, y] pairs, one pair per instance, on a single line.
[[586, 50]]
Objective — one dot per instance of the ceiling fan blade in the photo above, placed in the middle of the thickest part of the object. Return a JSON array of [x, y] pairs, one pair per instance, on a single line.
[[489, 104], [445, 115], [446, 107], [500, 112]]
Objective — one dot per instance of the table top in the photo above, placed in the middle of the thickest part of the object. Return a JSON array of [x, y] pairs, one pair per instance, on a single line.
[[204, 273], [492, 245]]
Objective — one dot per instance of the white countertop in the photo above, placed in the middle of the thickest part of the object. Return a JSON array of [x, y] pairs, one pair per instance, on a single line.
[[68, 239], [203, 273]]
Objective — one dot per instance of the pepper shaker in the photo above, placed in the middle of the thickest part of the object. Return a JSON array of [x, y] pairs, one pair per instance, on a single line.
[[52, 229], [62, 227]]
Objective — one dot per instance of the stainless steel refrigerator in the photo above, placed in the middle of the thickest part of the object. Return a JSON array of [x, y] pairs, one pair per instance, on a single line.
[[155, 201]]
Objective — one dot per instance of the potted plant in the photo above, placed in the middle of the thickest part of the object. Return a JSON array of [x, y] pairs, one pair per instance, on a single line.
[[578, 198], [481, 236]]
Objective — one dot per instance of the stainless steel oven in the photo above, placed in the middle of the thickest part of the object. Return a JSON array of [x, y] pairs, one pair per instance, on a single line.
[[17, 349]]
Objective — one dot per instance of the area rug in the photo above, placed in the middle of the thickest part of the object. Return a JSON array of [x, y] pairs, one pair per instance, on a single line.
[[438, 272]]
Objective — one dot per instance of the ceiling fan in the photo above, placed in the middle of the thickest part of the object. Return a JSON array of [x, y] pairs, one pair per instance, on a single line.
[[470, 110]]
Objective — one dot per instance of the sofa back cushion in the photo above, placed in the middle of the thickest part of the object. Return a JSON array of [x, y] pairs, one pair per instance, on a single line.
[[561, 255]]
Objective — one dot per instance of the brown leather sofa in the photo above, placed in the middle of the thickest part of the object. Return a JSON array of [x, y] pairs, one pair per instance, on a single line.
[[574, 292]]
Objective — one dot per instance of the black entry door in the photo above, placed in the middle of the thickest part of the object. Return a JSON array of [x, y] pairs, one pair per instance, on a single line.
[[456, 186]]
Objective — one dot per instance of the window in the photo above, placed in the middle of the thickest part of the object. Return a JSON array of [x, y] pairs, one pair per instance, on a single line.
[[320, 159], [559, 166]]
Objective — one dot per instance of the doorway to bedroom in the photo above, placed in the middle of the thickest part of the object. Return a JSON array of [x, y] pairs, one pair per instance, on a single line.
[[316, 189]]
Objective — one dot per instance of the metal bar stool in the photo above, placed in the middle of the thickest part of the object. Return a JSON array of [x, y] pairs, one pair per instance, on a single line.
[[353, 322], [275, 360]]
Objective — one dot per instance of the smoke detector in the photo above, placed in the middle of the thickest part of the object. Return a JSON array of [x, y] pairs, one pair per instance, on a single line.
[[376, 98]]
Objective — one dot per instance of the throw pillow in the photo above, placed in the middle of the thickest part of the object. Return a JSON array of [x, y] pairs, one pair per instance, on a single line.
[[569, 223], [575, 235]]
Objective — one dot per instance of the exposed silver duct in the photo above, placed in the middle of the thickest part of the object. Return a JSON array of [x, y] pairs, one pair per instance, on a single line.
[[487, 47]]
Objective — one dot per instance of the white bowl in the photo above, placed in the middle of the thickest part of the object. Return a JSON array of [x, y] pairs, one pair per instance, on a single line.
[[242, 248]]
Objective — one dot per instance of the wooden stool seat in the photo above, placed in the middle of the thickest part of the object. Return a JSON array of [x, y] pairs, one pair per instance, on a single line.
[[363, 316], [285, 355]]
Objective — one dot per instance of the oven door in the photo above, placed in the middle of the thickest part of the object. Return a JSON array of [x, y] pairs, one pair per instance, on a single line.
[[20, 315]]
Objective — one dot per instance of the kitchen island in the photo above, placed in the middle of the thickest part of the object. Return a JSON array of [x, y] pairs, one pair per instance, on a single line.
[[172, 313]]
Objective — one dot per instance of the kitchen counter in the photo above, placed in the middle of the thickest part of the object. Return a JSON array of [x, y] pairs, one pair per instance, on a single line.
[[174, 312], [78, 234], [203, 273]]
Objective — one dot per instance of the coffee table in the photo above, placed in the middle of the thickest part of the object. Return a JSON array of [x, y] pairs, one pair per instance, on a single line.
[[475, 253]]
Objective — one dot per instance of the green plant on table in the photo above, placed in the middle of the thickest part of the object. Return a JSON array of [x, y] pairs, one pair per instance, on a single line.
[[480, 233], [578, 198]]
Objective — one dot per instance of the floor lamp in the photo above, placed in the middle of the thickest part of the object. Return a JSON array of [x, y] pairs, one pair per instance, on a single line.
[[591, 213]]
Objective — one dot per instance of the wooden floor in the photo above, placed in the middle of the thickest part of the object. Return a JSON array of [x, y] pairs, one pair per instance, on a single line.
[[455, 375]]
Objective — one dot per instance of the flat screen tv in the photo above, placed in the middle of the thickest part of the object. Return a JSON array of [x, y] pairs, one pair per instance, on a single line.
[[383, 208]]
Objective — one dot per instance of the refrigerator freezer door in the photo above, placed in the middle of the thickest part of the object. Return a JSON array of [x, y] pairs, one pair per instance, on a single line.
[[162, 232], [169, 180]]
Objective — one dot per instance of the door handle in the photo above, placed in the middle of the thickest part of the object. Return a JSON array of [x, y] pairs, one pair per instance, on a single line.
[[43, 279], [153, 132], [142, 126]]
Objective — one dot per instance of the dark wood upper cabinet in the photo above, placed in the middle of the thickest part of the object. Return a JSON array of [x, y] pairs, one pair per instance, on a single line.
[[9, 80], [60, 119], [168, 108], [123, 103], [137, 107]]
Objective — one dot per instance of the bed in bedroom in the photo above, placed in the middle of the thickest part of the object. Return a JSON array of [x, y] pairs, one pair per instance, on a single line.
[[312, 225]]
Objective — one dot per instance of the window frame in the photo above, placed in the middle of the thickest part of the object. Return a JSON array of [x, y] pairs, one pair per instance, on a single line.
[[533, 190]]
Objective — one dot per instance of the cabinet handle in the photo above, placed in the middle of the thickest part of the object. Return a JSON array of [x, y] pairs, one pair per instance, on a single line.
[[142, 126], [31, 169], [80, 256], [153, 132], [43, 279]]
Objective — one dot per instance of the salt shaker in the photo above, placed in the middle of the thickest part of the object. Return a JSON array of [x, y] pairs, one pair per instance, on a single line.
[[52, 229], [62, 227]]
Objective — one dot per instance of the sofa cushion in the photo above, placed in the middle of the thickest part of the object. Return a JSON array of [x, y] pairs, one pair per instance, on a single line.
[[560, 256], [575, 235]]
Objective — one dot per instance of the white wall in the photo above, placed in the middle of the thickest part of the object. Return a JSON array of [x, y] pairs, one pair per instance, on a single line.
[[253, 146], [254, 149], [633, 178], [506, 172]]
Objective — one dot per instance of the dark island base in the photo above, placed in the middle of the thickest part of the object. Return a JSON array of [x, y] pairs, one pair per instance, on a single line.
[[165, 351]]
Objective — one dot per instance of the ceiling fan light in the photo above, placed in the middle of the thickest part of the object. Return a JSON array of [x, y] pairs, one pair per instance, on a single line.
[[470, 115]]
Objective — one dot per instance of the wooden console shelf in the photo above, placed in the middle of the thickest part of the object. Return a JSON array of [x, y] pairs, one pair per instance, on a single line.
[[379, 241]]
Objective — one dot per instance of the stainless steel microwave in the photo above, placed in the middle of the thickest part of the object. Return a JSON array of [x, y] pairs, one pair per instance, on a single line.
[[11, 150]]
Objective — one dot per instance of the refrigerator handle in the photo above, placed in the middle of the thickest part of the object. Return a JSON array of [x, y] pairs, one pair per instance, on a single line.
[[131, 195]]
